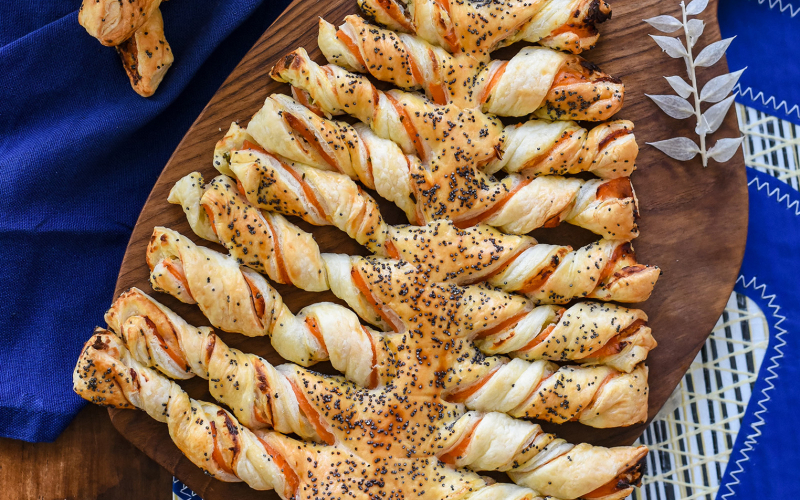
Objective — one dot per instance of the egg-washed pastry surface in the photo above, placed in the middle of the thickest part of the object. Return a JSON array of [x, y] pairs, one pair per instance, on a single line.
[[461, 331]]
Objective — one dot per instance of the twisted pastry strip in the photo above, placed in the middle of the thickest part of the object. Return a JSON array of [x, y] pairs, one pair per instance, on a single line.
[[568, 25], [161, 339], [478, 28], [496, 442], [215, 441], [606, 270], [468, 196], [261, 240], [333, 406], [411, 63], [596, 396], [541, 147], [587, 333], [233, 298], [565, 88], [533, 148]]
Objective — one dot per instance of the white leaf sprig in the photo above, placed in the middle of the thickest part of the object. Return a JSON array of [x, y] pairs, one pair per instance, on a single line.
[[715, 90]]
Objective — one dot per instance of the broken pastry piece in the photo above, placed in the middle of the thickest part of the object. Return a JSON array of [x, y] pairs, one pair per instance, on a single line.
[[146, 55], [136, 29], [115, 21]]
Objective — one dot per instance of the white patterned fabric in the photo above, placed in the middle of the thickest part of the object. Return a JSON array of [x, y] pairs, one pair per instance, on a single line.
[[692, 437]]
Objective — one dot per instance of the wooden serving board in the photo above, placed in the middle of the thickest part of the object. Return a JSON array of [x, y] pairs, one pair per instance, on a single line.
[[693, 225]]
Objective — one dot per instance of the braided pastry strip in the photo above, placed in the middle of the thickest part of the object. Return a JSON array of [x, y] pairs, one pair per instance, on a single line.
[[260, 240], [374, 288], [606, 270], [233, 298], [215, 441], [457, 438], [553, 83], [579, 93], [515, 205], [588, 333], [559, 24], [595, 396], [532, 148]]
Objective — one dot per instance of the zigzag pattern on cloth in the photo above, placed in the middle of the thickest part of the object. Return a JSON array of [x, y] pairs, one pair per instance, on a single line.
[[780, 198], [752, 438], [770, 101], [781, 7]]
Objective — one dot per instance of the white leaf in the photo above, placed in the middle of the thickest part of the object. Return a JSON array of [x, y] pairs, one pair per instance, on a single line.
[[674, 106], [724, 149], [664, 24], [694, 28], [712, 53], [671, 46], [695, 7], [717, 88], [680, 148], [716, 113], [680, 86]]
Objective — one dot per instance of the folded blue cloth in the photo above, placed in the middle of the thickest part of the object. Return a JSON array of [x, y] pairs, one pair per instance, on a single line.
[[767, 35], [80, 151]]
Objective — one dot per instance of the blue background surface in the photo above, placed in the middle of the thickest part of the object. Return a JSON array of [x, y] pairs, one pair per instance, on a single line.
[[767, 39]]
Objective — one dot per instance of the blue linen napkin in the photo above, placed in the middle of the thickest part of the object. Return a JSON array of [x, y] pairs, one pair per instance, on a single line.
[[79, 152], [768, 43]]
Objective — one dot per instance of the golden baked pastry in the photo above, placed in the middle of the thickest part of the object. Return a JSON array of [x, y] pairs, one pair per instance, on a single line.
[[146, 55], [607, 270], [453, 368], [377, 290], [213, 439], [481, 26], [599, 396], [617, 337], [516, 205], [532, 148], [136, 29], [533, 77], [113, 21]]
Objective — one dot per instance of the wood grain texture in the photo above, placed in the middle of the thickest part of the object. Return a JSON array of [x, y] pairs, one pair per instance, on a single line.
[[89, 460], [694, 220]]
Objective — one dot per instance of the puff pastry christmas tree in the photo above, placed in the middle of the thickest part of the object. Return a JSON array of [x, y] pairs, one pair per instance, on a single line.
[[473, 329]]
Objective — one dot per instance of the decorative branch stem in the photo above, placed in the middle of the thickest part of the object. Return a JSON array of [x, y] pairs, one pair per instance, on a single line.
[[714, 90], [693, 78]]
